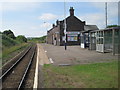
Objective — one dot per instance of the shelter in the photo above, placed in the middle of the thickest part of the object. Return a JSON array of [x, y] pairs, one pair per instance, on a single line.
[[106, 40], [85, 35]]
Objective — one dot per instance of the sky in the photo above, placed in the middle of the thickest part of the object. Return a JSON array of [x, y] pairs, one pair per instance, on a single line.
[[33, 19]]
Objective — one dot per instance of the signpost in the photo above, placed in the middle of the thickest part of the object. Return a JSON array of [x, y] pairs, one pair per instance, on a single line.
[[65, 26]]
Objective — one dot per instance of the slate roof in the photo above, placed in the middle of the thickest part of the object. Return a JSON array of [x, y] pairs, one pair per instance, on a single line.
[[90, 27]]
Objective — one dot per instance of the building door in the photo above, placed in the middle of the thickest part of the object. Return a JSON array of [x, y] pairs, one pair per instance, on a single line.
[[53, 39], [100, 41], [82, 40], [92, 41]]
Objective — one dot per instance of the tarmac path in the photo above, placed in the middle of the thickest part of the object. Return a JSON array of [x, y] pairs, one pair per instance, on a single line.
[[75, 55]]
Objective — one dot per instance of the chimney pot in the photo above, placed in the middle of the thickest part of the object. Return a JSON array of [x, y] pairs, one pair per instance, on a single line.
[[71, 11], [53, 25], [57, 22]]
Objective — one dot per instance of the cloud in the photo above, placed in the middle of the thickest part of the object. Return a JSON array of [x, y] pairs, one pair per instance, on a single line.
[[36, 33], [45, 25], [100, 5], [94, 19], [0, 17], [38, 30], [59, 0], [14, 6], [99, 18], [31, 31], [48, 16], [112, 7]]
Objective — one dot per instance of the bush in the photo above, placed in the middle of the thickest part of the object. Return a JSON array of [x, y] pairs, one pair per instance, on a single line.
[[21, 38], [7, 41]]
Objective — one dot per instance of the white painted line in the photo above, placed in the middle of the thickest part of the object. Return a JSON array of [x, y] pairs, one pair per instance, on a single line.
[[36, 71], [51, 60]]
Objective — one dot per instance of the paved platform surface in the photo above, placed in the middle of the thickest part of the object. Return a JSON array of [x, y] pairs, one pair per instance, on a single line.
[[75, 55], [50, 54], [42, 57], [41, 60]]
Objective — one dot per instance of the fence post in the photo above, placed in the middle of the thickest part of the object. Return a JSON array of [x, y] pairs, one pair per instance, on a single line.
[[103, 41], [113, 41]]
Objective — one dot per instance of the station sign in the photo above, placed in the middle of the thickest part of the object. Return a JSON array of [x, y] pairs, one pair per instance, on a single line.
[[56, 32], [73, 33]]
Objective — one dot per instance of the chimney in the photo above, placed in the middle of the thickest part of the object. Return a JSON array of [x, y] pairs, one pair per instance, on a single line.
[[53, 25], [71, 11], [57, 22], [84, 22]]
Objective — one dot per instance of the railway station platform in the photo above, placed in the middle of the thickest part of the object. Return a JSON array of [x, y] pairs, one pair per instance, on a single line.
[[57, 55], [41, 60], [76, 55]]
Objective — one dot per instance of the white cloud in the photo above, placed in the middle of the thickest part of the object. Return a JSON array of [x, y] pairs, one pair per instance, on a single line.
[[112, 7], [100, 5], [94, 19], [0, 17], [99, 18], [48, 16], [31, 31], [38, 30], [45, 26], [36, 33], [59, 0], [13, 6]]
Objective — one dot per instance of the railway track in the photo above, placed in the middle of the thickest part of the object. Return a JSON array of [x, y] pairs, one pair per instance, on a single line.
[[14, 76]]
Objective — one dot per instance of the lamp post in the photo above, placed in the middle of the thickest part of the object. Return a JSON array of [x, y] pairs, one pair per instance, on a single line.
[[106, 13], [65, 26], [46, 30]]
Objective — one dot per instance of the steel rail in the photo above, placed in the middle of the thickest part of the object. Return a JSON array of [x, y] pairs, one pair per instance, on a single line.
[[26, 71], [14, 64]]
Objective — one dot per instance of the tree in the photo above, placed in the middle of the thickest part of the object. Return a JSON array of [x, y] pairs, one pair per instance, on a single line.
[[9, 33], [21, 38]]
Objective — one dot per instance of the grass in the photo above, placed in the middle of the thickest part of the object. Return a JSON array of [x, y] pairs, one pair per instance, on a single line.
[[9, 53], [9, 48], [98, 75]]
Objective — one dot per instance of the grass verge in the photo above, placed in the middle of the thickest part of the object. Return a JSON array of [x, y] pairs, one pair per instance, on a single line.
[[98, 75], [9, 53]]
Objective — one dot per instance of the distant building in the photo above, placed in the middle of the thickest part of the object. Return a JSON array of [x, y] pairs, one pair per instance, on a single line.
[[74, 25]]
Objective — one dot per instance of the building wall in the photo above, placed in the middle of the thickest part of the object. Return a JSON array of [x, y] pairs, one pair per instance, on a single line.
[[49, 37], [73, 25], [53, 36]]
